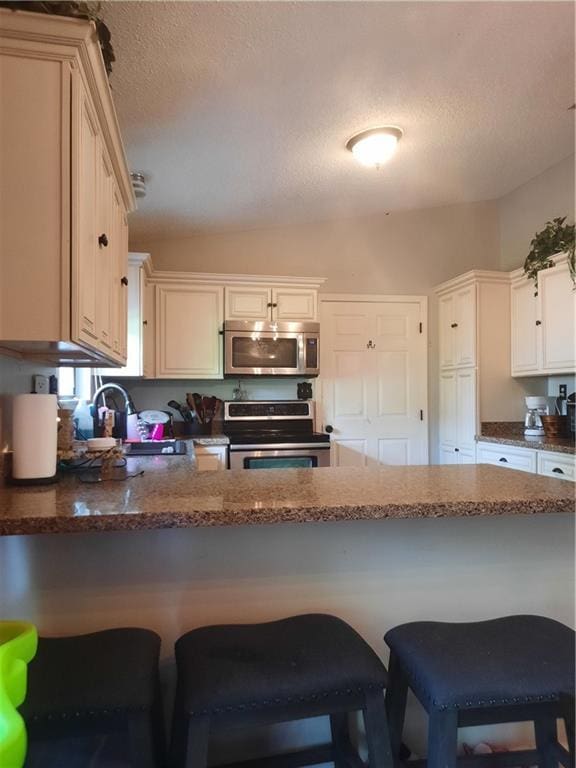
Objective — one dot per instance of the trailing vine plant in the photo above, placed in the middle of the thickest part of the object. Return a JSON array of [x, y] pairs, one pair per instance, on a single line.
[[80, 10], [556, 237]]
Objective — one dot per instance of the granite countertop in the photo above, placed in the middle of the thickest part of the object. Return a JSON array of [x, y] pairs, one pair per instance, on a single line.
[[211, 440], [512, 433], [170, 494]]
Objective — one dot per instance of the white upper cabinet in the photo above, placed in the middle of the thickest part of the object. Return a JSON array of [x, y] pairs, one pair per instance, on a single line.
[[525, 324], [188, 331], [543, 327], [558, 316], [248, 303], [457, 315], [294, 304], [62, 160], [269, 303]]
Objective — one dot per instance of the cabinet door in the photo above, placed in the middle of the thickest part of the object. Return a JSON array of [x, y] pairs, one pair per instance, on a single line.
[[85, 247], [525, 333], [558, 310], [106, 264], [210, 458], [148, 330], [446, 331], [298, 304], [119, 282], [465, 326], [466, 409], [188, 341], [248, 303], [448, 413]]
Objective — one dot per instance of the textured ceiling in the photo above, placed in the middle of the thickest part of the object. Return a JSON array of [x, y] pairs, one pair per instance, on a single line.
[[239, 112]]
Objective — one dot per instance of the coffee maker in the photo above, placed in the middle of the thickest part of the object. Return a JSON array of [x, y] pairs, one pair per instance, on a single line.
[[535, 408]]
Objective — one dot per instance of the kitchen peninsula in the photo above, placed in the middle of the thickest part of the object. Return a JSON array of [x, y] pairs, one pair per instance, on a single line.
[[165, 492]]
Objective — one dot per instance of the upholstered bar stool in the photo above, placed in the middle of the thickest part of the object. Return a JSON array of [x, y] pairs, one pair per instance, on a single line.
[[238, 676], [513, 669], [101, 683]]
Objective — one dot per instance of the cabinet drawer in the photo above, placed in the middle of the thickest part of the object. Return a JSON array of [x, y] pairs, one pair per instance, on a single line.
[[523, 459], [560, 465], [211, 457]]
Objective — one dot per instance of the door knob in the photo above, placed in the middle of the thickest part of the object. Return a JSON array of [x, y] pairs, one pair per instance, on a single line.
[[103, 240], [329, 428], [124, 280]]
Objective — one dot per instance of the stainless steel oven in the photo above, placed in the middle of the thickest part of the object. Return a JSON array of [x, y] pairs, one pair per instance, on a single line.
[[274, 435], [271, 349]]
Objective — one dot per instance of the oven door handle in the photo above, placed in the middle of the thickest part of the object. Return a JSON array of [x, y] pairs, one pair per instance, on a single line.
[[281, 447]]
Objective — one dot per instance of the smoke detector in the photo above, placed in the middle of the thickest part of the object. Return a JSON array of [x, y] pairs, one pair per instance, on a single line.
[[138, 183]]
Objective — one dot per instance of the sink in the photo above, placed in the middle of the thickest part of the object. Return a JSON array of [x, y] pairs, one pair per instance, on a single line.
[[156, 448]]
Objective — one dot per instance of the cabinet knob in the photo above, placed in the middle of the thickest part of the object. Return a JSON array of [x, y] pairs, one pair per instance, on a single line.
[[558, 470], [538, 322], [103, 240], [144, 322], [124, 280], [457, 450], [329, 428], [454, 325], [503, 460], [274, 305], [269, 304], [370, 345]]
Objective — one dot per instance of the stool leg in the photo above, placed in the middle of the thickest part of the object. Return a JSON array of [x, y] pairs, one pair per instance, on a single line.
[[377, 737], [340, 738], [197, 746], [568, 709], [396, 693], [143, 744], [442, 738], [546, 735]]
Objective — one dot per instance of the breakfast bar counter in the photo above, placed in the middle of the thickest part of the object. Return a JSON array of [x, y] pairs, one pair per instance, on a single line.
[[170, 494]]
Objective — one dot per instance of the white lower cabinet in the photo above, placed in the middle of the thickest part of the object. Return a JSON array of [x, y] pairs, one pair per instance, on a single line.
[[560, 465], [210, 458], [458, 416], [508, 456]]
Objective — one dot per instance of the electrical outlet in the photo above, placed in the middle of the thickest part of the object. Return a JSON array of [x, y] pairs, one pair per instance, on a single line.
[[41, 384], [562, 391]]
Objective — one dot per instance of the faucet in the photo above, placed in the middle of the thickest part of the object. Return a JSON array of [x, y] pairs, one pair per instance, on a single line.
[[120, 430]]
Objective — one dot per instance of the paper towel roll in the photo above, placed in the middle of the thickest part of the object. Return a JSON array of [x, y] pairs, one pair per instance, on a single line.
[[34, 436]]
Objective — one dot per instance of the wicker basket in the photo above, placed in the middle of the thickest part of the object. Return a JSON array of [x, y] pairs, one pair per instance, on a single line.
[[556, 426]]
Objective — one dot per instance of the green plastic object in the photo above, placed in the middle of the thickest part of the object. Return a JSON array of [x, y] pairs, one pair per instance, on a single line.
[[18, 643]]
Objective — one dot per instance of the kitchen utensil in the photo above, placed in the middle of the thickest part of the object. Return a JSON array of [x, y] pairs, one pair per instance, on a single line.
[[183, 410], [198, 406]]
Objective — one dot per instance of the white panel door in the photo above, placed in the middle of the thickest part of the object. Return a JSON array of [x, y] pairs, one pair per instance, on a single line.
[[525, 328], [558, 309], [374, 382], [188, 341]]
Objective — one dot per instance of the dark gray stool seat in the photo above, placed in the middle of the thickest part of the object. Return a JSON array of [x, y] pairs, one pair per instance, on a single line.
[[303, 666], [503, 670], [98, 683]]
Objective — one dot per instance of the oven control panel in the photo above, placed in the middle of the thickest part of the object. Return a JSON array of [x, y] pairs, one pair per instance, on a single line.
[[263, 409]]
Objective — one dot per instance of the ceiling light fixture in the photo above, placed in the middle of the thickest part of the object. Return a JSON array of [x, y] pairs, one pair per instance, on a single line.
[[138, 183], [375, 146]]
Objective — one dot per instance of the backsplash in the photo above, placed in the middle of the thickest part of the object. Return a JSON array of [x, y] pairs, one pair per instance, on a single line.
[[157, 393], [15, 379]]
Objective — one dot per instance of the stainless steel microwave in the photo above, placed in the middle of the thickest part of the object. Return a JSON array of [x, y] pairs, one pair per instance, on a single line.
[[271, 349]]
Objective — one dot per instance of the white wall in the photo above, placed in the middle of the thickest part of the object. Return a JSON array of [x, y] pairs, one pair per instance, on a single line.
[[15, 379], [525, 210]]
